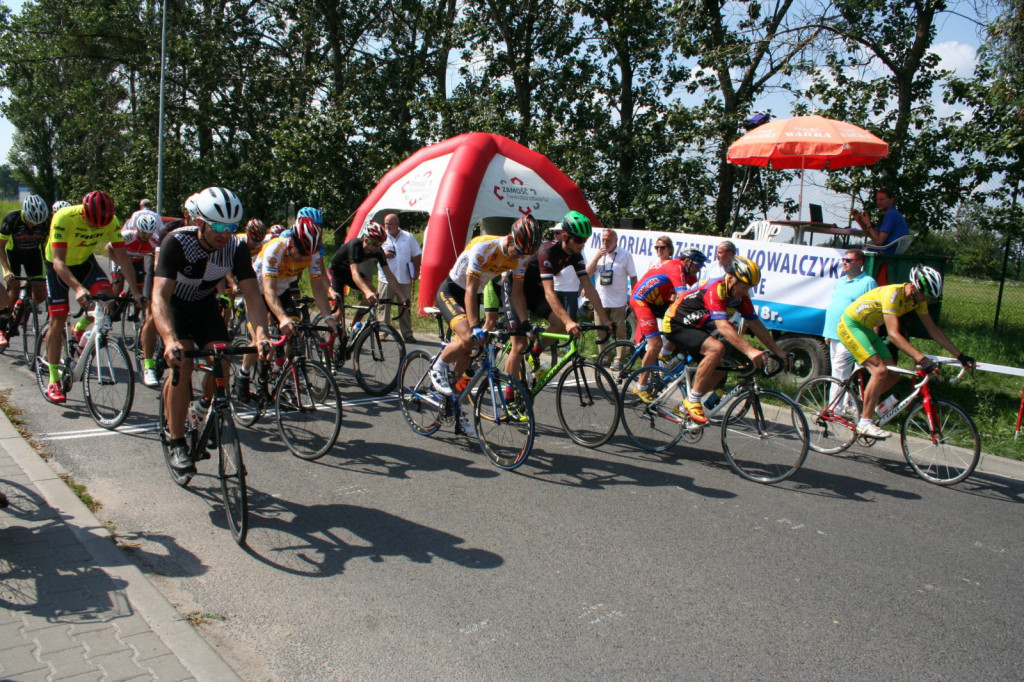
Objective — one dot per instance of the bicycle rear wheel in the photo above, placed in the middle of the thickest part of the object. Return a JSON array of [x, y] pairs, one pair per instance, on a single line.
[[231, 471], [131, 329], [503, 418], [765, 441], [421, 404], [247, 413], [308, 410], [109, 383], [950, 454], [587, 404], [378, 356], [165, 444], [610, 355], [29, 332], [652, 426], [833, 427]]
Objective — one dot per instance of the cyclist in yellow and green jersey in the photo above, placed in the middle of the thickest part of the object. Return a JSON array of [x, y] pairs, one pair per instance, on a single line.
[[75, 232], [883, 307]]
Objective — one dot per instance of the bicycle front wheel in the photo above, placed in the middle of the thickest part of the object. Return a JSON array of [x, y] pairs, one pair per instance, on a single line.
[[588, 404], [131, 329], [946, 454], [503, 417], [421, 404], [652, 420], [308, 410], [378, 356], [109, 383], [831, 414], [766, 440], [231, 471], [29, 332]]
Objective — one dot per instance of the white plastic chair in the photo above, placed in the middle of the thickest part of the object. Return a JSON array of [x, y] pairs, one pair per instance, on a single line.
[[902, 244]]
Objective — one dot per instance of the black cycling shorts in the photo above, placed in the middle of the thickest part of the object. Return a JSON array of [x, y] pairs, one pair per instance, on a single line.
[[199, 321], [30, 261], [89, 273]]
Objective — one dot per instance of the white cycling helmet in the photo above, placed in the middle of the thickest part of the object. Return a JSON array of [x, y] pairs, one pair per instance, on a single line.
[[34, 209], [58, 205], [927, 280], [191, 206], [219, 205], [146, 224]]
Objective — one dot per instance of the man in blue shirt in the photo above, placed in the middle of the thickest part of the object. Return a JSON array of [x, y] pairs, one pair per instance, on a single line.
[[854, 283], [893, 225]]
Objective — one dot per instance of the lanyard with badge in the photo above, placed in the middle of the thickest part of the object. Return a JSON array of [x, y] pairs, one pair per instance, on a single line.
[[607, 275]]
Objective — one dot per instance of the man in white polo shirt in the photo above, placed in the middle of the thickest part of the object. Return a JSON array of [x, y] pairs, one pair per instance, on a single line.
[[403, 253], [615, 276]]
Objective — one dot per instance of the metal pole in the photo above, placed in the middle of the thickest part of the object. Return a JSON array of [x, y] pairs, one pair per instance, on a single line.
[[160, 132]]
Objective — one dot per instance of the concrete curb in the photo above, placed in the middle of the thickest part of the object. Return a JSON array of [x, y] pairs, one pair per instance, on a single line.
[[194, 652]]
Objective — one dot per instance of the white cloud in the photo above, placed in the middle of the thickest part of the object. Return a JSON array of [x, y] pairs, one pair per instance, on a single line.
[[956, 57]]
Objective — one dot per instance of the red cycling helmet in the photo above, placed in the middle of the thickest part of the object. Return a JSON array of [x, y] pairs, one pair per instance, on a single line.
[[98, 208], [306, 236], [376, 233]]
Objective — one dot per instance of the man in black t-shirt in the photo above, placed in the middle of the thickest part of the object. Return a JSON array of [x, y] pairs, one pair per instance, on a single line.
[[345, 267], [193, 261], [539, 282], [22, 236]]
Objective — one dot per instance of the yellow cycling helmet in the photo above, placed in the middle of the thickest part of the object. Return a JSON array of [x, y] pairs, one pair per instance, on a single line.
[[745, 270]]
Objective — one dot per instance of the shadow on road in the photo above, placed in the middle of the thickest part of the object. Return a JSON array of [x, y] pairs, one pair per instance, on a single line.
[[318, 540]]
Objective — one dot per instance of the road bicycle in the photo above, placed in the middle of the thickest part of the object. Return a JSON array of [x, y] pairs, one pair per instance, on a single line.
[[375, 348], [764, 433], [212, 426], [304, 395], [24, 319], [100, 361], [939, 439], [501, 407], [586, 397], [133, 317]]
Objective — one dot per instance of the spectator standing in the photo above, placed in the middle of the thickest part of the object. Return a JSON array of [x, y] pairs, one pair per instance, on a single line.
[[663, 249], [403, 255], [616, 278], [725, 253], [854, 284], [893, 225]]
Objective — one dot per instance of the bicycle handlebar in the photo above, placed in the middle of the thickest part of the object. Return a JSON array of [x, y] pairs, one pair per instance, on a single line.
[[218, 351]]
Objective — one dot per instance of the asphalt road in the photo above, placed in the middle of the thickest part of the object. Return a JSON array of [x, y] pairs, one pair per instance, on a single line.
[[404, 557]]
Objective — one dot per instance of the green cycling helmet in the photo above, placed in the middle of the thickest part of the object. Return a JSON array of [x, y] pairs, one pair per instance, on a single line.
[[575, 224]]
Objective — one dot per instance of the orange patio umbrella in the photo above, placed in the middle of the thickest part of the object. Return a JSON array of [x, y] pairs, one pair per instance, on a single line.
[[807, 142]]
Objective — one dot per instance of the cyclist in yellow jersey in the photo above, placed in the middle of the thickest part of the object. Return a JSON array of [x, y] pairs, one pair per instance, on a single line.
[[884, 306], [279, 265], [75, 232]]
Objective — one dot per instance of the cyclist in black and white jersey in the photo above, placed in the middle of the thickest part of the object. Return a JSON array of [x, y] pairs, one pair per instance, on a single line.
[[193, 261]]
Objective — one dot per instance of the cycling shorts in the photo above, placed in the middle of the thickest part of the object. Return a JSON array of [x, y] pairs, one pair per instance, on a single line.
[[646, 319], [862, 341], [451, 299], [536, 303], [199, 321], [31, 261], [89, 273]]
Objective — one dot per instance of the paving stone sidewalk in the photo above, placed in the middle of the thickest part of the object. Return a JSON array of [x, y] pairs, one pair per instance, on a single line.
[[72, 607]]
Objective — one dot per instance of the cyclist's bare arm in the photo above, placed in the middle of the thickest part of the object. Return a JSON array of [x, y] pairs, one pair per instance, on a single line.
[[734, 339], [557, 309], [765, 337], [128, 271], [256, 311], [892, 327], [323, 302], [369, 294], [472, 307], [590, 291], [939, 336], [276, 309], [519, 298]]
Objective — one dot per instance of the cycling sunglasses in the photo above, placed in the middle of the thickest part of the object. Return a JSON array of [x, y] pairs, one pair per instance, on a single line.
[[223, 227]]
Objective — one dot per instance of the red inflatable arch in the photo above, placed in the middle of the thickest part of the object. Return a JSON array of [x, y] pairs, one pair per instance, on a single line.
[[462, 180]]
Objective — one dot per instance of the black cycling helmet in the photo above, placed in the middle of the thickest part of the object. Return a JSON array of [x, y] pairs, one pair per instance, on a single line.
[[694, 256]]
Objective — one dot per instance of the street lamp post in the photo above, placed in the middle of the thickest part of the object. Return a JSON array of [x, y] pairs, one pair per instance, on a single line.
[[160, 132]]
